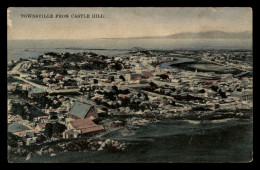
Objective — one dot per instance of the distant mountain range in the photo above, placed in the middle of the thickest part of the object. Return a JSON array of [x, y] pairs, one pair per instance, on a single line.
[[201, 35]]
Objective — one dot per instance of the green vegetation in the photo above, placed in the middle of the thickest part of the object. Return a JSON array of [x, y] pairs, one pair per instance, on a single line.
[[12, 140], [11, 79], [18, 109], [55, 128]]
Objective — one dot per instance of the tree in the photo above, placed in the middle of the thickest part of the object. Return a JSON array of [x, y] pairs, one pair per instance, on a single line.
[[153, 85], [40, 138], [58, 128], [117, 66], [89, 96], [12, 140], [202, 91], [54, 117], [145, 96], [164, 76], [222, 94], [18, 109], [214, 88], [95, 81], [112, 78], [115, 88], [48, 130], [122, 77]]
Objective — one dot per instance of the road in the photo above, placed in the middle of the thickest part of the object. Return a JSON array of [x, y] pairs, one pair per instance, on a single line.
[[31, 83], [17, 67]]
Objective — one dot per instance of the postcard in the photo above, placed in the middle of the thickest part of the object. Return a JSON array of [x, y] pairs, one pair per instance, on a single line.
[[130, 85]]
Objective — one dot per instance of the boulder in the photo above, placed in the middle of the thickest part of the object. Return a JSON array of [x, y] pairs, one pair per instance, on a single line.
[[119, 147], [93, 148], [50, 150], [102, 146], [39, 152], [108, 142], [9, 148], [28, 157], [53, 154], [115, 144]]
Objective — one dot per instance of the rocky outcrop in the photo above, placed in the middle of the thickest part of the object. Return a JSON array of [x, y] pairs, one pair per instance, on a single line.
[[112, 145], [83, 145]]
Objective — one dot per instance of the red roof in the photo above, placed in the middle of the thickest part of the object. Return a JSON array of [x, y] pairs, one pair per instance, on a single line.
[[236, 98], [22, 133], [92, 129], [122, 96], [32, 129], [85, 125], [69, 132], [51, 110], [62, 99], [61, 109], [41, 125], [244, 78], [43, 116], [70, 86], [95, 97], [53, 85]]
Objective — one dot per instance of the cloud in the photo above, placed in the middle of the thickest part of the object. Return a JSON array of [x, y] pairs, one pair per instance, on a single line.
[[9, 21]]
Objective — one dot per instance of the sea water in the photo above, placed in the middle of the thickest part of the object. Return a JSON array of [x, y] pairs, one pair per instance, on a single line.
[[33, 48]]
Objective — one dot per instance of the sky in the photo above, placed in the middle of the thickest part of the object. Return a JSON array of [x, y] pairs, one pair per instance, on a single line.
[[125, 22]]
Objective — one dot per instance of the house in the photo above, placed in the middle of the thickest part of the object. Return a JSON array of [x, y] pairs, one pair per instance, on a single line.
[[74, 72], [118, 123], [59, 76], [247, 95], [16, 127], [54, 86], [45, 80], [11, 87], [69, 87], [30, 141], [61, 110], [81, 110], [40, 127], [41, 119], [36, 92], [81, 127], [21, 130], [147, 74], [132, 76], [26, 86], [236, 94], [44, 75], [30, 134]]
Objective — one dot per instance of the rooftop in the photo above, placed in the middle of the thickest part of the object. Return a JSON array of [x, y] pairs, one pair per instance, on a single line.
[[85, 125], [16, 127], [80, 109]]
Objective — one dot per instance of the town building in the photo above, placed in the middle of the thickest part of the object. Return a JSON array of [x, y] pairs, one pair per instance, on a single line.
[[81, 110], [81, 127]]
